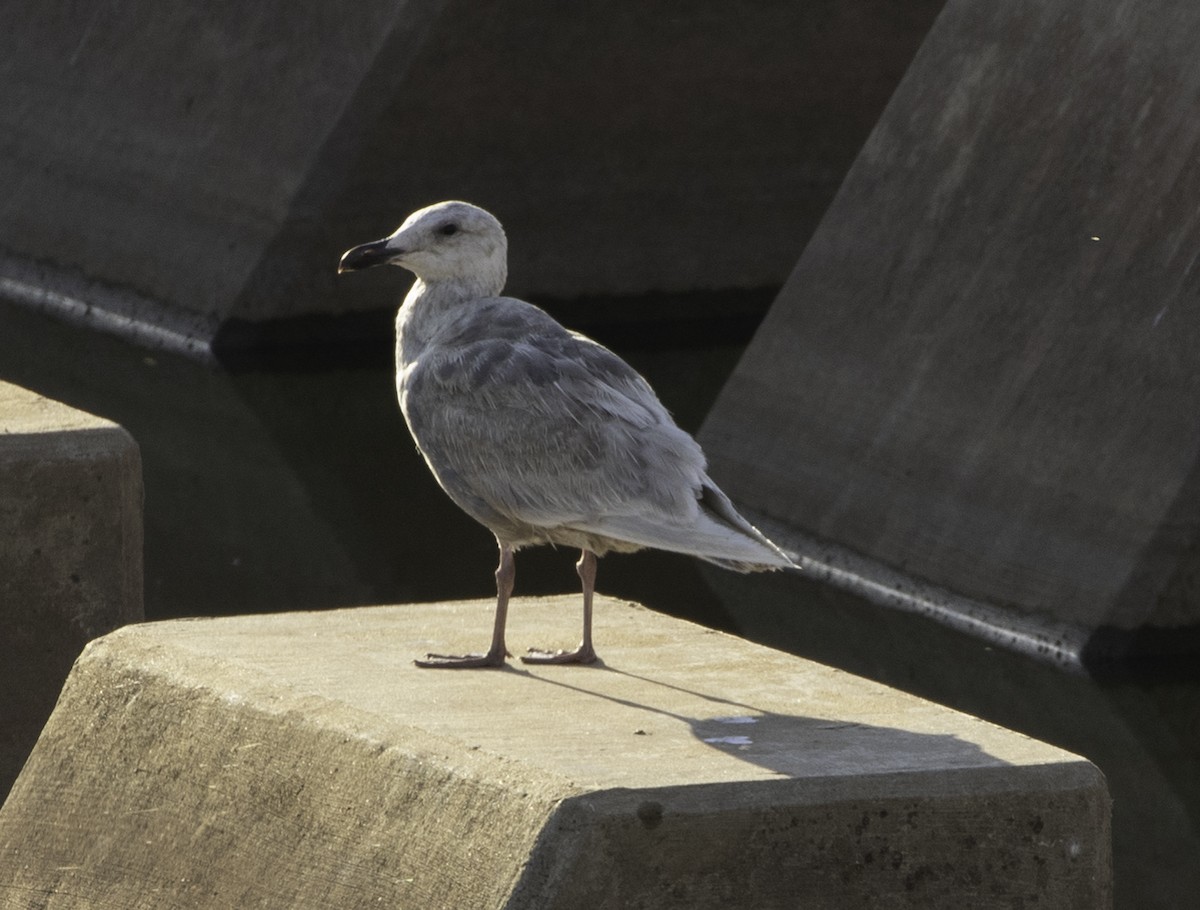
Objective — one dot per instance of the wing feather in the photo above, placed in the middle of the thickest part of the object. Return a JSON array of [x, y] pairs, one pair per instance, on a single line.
[[523, 420]]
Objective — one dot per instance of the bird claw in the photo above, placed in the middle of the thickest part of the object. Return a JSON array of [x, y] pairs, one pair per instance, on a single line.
[[581, 655], [462, 661]]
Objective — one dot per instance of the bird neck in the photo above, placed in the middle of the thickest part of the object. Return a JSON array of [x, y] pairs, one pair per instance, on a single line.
[[430, 306], [441, 293]]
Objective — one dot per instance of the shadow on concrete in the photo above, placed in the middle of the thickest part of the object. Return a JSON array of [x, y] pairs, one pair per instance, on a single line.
[[799, 746]]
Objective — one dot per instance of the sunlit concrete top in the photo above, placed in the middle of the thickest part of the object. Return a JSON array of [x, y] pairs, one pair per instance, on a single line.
[[672, 703], [24, 412]]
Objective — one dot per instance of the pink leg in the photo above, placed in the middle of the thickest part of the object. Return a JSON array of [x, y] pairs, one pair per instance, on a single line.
[[585, 653], [506, 574]]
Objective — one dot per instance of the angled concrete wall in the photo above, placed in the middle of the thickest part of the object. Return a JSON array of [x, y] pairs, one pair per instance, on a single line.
[[981, 373], [185, 167], [303, 761], [70, 553]]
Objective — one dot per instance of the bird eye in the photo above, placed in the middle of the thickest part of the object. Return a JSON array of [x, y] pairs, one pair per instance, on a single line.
[[448, 230]]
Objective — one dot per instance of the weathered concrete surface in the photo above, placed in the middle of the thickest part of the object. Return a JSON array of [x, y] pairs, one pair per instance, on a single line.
[[70, 553], [209, 164], [301, 760], [981, 373]]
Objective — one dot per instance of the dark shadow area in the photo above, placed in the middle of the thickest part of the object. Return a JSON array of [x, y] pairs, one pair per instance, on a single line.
[[30, 679], [317, 343], [1150, 653], [1163, 585]]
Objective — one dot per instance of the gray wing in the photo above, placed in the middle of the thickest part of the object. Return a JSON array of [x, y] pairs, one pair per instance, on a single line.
[[524, 422]]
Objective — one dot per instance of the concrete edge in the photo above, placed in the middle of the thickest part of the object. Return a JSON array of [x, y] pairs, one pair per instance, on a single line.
[[580, 826], [267, 698], [73, 442], [1060, 644], [68, 296]]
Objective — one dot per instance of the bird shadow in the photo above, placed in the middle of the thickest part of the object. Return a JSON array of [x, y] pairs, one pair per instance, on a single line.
[[793, 745]]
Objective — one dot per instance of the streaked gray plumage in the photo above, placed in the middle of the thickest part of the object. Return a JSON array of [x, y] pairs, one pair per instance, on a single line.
[[537, 432]]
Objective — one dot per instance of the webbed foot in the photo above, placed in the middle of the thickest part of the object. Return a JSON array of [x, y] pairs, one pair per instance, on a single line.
[[462, 661], [584, 654]]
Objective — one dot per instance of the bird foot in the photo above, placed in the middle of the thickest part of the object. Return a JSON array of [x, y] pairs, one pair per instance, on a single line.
[[584, 654], [462, 661]]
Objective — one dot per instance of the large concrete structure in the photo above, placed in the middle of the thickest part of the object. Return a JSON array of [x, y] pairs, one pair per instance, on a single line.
[[302, 761], [976, 394], [175, 172], [70, 553]]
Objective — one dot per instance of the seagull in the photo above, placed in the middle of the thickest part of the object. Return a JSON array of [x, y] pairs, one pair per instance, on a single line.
[[537, 432]]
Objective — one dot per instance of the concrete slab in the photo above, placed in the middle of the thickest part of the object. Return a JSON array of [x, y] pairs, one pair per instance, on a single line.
[[978, 376], [145, 196], [301, 760], [70, 553]]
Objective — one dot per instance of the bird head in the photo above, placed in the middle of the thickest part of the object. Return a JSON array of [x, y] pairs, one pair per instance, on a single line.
[[450, 242]]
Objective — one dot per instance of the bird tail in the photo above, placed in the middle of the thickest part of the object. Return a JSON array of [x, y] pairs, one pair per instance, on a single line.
[[718, 534], [716, 507]]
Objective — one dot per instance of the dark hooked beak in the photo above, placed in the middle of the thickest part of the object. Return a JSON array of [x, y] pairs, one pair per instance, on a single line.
[[368, 254]]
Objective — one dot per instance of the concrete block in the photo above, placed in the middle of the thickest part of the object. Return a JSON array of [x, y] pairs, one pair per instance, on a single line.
[[70, 553], [979, 376], [172, 171], [301, 760]]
